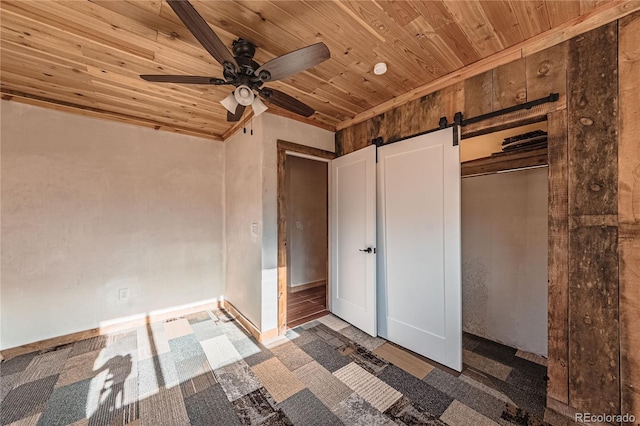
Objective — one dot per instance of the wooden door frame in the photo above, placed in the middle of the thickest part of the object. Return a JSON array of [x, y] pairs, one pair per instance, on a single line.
[[285, 147], [555, 114]]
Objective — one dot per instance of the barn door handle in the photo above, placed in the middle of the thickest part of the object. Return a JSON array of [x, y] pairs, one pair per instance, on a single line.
[[367, 250]]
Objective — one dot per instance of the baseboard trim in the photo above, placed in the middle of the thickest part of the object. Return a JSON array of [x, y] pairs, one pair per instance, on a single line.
[[297, 288], [106, 329], [257, 334]]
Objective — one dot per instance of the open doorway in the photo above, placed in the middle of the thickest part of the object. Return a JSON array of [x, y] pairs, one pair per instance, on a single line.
[[307, 238], [303, 248]]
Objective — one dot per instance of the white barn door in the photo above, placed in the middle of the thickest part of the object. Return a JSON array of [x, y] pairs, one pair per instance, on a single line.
[[419, 283], [353, 238]]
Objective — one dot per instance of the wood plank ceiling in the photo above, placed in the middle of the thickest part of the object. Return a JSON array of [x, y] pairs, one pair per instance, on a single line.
[[85, 56]]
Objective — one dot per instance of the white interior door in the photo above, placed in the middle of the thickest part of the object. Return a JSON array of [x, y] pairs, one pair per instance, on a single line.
[[420, 286], [353, 238]]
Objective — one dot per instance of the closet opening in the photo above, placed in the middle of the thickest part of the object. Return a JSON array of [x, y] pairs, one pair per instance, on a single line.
[[504, 242]]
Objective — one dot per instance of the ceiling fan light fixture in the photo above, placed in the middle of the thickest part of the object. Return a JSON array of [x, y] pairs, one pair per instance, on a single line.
[[258, 107], [244, 95], [230, 103]]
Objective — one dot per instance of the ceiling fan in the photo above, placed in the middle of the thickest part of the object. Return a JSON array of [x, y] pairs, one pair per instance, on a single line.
[[241, 71]]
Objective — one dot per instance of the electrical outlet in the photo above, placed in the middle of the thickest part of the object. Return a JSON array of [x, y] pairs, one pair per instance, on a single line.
[[299, 225], [123, 293]]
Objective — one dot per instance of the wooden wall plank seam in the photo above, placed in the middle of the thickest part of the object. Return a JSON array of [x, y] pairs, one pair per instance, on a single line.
[[592, 114], [629, 212]]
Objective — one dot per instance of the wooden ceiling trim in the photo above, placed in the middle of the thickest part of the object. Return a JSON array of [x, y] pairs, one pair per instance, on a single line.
[[606, 13], [96, 112]]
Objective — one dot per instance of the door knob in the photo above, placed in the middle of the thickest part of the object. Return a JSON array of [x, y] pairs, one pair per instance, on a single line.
[[367, 250]]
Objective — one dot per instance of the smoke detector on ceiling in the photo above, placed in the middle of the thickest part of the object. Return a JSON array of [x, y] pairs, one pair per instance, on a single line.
[[379, 68]]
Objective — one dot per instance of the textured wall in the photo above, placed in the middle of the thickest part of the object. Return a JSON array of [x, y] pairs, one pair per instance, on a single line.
[[251, 197], [276, 127], [243, 204], [504, 258], [91, 206], [306, 220]]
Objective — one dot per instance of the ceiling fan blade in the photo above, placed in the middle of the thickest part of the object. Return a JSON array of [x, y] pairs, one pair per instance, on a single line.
[[294, 62], [285, 101], [237, 115], [186, 79], [202, 31]]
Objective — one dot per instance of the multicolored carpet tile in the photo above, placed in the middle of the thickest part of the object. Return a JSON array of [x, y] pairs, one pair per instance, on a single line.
[[205, 369]]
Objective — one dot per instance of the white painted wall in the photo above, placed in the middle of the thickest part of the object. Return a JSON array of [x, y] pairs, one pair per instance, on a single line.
[[251, 197], [91, 206], [275, 128], [243, 206], [504, 258]]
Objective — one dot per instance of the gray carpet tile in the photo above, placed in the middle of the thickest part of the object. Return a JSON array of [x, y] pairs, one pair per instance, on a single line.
[[355, 411], [495, 351], [255, 407], [204, 330], [7, 383], [198, 317], [121, 344], [529, 402], [302, 336], [237, 379], [405, 412], [310, 324], [431, 399], [156, 373], [44, 365], [27, 399], [151, 341], [88, 345], [467, 394], [197, 384], [208, 370], [326, 355], [259, 357], [233, 330], [68, 404], [192, 367], [304, 408], [531, 368], [16, 365], [210, 407], [469, 341], [185, 347], [246, 347], [167, 407], [527, 382]]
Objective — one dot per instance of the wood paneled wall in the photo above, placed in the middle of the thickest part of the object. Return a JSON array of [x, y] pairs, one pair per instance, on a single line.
[[629, 211], [594, 200]]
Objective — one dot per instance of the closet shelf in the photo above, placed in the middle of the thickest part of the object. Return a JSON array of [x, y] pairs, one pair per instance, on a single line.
[[504, 161]]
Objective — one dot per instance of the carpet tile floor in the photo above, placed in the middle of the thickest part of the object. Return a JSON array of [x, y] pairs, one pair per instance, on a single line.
[[205, 369]]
